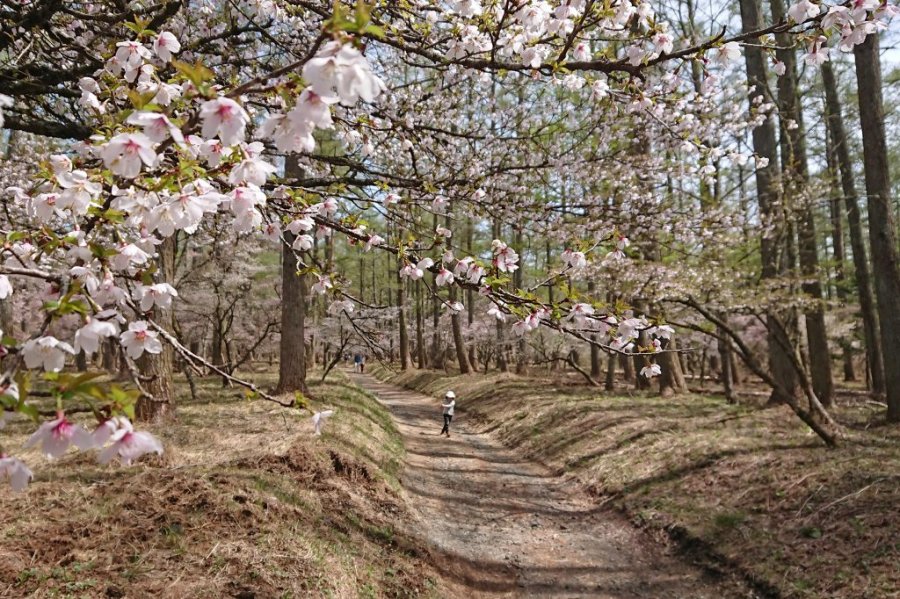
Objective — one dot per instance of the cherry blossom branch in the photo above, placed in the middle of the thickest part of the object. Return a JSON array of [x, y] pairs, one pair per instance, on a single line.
[[194, 358], [31, 273]]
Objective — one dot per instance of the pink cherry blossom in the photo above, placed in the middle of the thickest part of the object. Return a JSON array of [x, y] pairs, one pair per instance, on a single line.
[[574, 259], [322, 285], [131, 54], [803, 10], [444, 277], [159, 295], [89, 337], [139, 339], [129, 445], [505, 258], [48, 353], [125, 153], [157, 126], [166, 45], [303, 243], [224, 118], [57, 435], [651, 371]]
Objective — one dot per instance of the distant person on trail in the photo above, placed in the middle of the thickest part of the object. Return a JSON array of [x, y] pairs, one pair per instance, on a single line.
[[357, 363], [362, 363], [450, 403]]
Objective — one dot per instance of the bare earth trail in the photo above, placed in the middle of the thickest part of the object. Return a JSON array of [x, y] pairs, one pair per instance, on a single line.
[[501, 526]]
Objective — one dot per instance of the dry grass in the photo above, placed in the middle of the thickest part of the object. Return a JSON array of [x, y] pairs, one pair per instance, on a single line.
[[245, 503], [747, 488]]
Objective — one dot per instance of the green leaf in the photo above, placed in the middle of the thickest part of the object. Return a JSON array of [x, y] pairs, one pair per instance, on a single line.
[[139, 100], [29, 410], [374, 31], [197, 73]]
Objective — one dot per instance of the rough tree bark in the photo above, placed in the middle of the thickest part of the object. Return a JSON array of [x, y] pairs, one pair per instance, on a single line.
[[882, 236], [837, 245], [420, 325], [835, 120], [158, 403], [610, 384], [6, 321], [292, 347], [462, 355], [765, 146], [671, 381], [470, 293], [459, 343], [502, 362], [795, 182], [405, 361], [517, 282], [596, 367], [727, 375], [436, 349]]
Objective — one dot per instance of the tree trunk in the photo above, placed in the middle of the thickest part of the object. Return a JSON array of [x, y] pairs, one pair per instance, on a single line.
[[795, 182], [437, 353], [292, 349], [765, 146], [6, 320], [672, 379], [502, 362], [420, 325], [610, 384], [159, 402], [109, 356], [837, 245], [835, 120], [627, 368], [727, 378], [596, 367], [517, 283], [641, 382], [882, 237], [405, 361], [470, 294], [456, 324]]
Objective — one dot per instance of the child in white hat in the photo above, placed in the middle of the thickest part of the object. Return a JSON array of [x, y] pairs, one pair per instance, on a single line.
[[450, 403]]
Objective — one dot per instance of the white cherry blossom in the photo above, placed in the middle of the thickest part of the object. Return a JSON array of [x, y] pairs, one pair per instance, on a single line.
[[14, 469], [139, 338], [128, 445], [166, 45], [47, 352]]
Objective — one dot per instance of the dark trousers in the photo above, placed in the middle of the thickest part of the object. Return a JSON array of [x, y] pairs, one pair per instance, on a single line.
[[447, 419]]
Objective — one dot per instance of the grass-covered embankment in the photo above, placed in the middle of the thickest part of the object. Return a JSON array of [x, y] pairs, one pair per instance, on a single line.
[[742, 488], [246, 502]]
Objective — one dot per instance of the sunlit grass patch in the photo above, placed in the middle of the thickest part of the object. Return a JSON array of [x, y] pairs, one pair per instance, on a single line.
[[245, 501]]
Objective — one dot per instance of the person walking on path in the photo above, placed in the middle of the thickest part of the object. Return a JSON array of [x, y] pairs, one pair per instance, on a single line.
[[357, 363], [450, 403], [362, 363]]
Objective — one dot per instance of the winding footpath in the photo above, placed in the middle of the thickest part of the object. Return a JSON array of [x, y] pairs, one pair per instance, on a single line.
[[501, 526]]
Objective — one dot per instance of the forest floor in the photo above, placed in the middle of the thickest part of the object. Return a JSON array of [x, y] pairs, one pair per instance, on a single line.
[[745, 491], [504, 526], [244, 503]]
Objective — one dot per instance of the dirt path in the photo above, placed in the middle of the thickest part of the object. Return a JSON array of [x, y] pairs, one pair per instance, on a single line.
[[504, 527]]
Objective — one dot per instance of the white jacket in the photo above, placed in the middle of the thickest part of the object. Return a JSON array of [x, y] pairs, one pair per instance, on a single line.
[[448, 407]]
